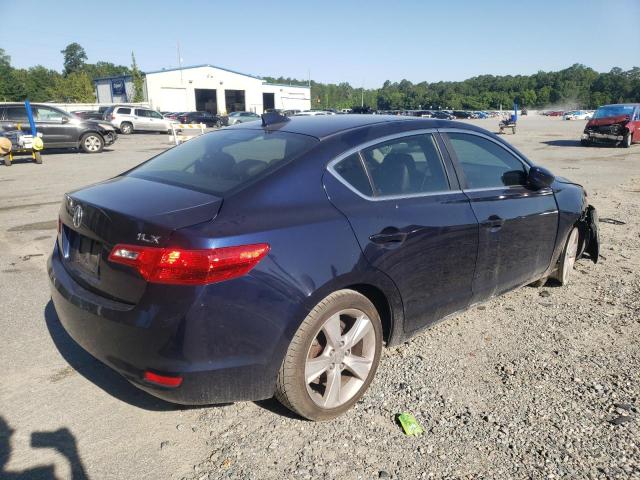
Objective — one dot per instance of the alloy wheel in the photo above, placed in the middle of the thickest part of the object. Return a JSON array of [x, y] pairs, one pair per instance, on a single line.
[[570, 255], [92, 143], [340, 358]]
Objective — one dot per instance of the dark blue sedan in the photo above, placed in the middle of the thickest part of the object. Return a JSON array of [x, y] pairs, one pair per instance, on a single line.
[[278, 258]]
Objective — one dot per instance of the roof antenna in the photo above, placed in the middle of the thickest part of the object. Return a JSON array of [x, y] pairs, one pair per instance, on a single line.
[[273, 118]]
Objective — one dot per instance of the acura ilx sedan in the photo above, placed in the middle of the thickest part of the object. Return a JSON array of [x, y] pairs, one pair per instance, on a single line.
[[277, 258]]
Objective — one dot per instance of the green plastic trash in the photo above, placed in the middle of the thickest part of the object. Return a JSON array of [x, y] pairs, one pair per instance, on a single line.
[[409, 424]]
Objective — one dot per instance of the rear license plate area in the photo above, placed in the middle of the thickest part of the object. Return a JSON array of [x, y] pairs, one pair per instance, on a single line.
[[85, 253]]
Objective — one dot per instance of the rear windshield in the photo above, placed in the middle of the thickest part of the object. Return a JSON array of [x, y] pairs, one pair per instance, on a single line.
[[613, 111], [221, 161]]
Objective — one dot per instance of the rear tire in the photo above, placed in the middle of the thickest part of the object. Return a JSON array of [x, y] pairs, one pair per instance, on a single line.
[[568, 258], [91, 143], [332, 358], [126, 128]]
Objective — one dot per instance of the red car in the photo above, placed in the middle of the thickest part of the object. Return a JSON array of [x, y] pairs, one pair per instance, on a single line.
[[619, 124]]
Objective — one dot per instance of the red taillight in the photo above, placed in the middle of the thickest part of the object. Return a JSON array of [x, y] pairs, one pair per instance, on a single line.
[[113, 117], [163, 380], [189, 267]]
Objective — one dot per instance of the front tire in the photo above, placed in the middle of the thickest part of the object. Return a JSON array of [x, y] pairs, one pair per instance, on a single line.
[[332, 358], [627, 140], [568, 258], [91, 143], [585, 143]]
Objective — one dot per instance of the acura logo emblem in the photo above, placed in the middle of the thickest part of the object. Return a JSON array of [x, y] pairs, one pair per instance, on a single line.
[[77, 216]]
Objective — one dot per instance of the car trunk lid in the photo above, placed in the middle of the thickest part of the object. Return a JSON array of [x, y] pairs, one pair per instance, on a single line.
[[124, 210]]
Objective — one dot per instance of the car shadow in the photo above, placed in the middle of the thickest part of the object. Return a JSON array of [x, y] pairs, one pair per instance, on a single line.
[[98, 373], [575, 143], [274, 406]]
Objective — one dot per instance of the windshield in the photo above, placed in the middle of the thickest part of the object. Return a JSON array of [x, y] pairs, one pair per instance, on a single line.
[[614, 111], [221, 161]]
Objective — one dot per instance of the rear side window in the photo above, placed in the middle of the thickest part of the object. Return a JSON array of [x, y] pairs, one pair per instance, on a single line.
[[406, 166], [225, 160], [352, 171], [124, 111], [485, 163], [16, 113]]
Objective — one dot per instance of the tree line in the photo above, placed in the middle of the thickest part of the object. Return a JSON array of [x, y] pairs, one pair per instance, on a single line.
[[575, 87], [73, 84]]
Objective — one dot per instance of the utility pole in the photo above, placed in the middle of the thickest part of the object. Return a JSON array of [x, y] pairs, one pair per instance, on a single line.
[[179, 61], [362, 97]]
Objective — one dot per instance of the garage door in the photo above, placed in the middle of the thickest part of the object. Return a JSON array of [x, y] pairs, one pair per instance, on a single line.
[[173, 99]]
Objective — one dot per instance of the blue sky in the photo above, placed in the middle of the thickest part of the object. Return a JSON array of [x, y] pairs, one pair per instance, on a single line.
[[355, 41]]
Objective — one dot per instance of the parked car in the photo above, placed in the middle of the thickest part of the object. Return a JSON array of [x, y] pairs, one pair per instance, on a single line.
[[242, 117], [59, 129], [301, 248], [461, 114], [90, 114], [312, 113], [442, 115], [577, 115], [129, 119], [619, 123], [554, 113], [209, 119]]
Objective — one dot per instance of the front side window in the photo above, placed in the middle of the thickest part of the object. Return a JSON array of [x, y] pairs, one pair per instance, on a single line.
[[45, 114], [405, 166], [225, 160], [485, 163], [352, 171], [153, 114]]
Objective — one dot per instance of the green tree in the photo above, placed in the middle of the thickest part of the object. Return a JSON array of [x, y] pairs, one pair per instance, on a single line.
[[74, 58], [138, 81], [75, 87]]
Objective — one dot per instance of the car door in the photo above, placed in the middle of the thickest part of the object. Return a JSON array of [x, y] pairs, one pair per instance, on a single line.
[[411, 221], [636, 124], [141, 120], [157, 123], [518, 224], [56, 127]]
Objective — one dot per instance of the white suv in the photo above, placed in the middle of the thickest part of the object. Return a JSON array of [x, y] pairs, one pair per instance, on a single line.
[[130, 119]]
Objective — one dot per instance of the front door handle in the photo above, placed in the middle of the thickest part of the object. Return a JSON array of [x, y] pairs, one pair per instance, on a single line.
[[387, 238], [494, 223]]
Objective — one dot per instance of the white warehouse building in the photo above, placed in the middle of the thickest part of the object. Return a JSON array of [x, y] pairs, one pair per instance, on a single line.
[[213, 89]]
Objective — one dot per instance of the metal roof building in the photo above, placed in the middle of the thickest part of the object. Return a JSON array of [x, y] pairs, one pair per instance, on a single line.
[[211, 88]]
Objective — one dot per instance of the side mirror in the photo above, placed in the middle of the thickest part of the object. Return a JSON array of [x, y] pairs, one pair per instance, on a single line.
[[540, 178], [65, 120]]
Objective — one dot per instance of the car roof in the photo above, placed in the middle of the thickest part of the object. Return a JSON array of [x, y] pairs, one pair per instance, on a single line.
[[322, 126]]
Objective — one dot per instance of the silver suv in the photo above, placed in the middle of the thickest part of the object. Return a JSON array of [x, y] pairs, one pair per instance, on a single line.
[[129, 119]]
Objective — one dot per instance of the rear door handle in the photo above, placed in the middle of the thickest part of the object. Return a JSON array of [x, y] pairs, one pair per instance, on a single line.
[[386, 238]]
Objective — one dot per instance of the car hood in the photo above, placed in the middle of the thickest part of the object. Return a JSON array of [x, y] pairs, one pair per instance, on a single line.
[[97, 124], [598, 122]]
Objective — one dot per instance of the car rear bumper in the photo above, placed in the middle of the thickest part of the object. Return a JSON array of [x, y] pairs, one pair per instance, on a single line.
[[218, 363]]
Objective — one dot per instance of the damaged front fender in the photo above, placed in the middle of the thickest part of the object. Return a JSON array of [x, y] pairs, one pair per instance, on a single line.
[[589, 233]]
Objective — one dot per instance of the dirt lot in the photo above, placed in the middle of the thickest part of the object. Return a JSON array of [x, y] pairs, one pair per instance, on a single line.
[[541, 383]]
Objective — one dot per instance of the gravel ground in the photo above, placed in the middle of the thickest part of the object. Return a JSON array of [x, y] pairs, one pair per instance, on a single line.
[[539, 383]]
